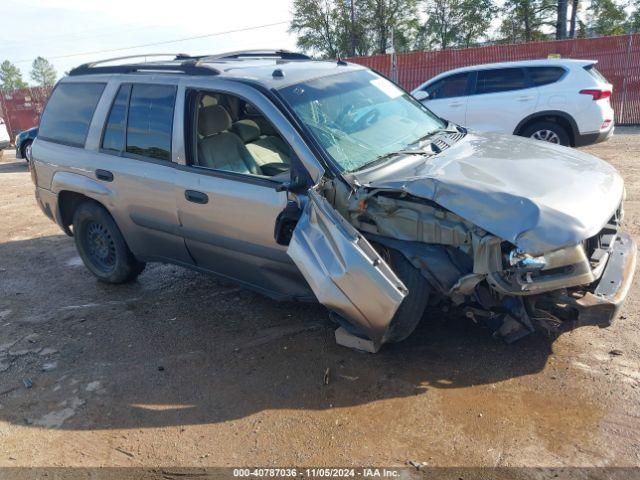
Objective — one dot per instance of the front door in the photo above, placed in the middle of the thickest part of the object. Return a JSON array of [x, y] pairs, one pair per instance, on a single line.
[[447, 97], [228, 226], [230, 194]]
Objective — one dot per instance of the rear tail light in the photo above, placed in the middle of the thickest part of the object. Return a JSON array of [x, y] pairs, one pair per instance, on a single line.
[[596, 93], [605, 124]]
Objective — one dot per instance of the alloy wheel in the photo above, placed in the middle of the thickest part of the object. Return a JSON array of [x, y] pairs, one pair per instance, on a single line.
[[546, 136]]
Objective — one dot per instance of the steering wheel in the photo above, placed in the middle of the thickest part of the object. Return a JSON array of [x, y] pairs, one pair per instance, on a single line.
[[367, 119]]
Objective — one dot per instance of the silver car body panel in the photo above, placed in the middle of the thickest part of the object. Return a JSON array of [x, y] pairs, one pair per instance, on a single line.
[[345, 272], [536, 195]]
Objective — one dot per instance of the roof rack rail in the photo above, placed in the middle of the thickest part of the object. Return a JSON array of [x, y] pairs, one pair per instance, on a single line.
[[176, 56], [188, 67], [279, 54]]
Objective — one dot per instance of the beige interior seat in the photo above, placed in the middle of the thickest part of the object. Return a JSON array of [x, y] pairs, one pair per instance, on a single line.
[[219, 148], [264, 148]]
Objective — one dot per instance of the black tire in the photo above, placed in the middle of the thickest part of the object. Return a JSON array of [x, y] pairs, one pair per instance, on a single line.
[[412, 308], [101, 245], [547, 131], [24, 150]]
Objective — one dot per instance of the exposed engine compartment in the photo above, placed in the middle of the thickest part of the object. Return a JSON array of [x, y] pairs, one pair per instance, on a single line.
[[493, 281]]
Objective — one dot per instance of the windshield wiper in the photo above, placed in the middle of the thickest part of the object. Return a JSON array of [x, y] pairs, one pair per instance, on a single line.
[[383, 158]]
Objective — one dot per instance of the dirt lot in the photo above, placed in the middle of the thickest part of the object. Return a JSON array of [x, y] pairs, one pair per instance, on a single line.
[[179, 369]]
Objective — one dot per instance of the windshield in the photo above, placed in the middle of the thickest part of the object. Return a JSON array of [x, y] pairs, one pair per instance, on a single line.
[[359, 117]]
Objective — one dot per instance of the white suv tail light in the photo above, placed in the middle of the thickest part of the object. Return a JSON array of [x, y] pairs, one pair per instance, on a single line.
[[596, 93]]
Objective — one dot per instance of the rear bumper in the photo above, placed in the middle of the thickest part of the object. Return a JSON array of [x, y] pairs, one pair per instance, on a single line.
[[48, 203], [601, 304], [582, 139]]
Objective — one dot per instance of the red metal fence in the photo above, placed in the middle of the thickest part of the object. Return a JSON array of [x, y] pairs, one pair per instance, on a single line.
[[618, 60], [21, 109]]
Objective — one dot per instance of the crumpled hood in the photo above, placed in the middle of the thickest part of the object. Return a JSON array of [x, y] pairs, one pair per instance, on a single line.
[[536, 195]]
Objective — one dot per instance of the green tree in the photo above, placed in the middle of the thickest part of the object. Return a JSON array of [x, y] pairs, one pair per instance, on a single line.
[[387, 16], [319, 25], [10, 77], [606, 17], [524, 20], [42, 72], [457, 23], [339, 28]]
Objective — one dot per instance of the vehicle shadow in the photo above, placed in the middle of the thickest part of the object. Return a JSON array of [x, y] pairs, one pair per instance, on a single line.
[[13, 167], [177, 347]]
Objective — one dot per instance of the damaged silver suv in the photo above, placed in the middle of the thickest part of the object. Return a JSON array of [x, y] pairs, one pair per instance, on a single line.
[[318, 180]]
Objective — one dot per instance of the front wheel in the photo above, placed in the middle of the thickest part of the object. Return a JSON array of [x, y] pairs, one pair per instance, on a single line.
[[101, 245], [412, 308], [547, 132]]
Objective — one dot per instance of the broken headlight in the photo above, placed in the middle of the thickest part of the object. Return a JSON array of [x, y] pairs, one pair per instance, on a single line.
[[520, 259]]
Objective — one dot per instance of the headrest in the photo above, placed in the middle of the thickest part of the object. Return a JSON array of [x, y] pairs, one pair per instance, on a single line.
[[209, 100], [213, 119], [247, 130]]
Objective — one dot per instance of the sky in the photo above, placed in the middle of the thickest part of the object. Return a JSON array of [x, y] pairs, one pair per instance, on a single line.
[[60, 30]]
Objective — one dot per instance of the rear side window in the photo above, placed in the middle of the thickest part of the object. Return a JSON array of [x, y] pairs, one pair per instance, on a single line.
[[69, 111], [452, 86], [595, 73], [150, 120], [116, 123], [545, 75], [500, 80]]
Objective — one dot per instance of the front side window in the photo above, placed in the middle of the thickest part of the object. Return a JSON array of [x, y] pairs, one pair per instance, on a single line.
[[150, 120], [453, 86], [231, 135], [500, 80], [359, 117], [69, 111]]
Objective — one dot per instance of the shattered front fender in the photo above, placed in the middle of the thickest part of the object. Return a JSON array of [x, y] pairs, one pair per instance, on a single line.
[[344, 271]]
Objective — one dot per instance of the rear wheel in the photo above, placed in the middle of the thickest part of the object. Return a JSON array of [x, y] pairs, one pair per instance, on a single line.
[[26, 151], [547, 132], [101, 245], [413, 306]]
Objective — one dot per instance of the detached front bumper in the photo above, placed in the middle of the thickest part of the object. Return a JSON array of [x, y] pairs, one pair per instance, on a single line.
[[601, 302]]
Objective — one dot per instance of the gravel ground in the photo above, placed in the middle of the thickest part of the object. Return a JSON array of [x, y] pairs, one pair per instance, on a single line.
[[180, 369]]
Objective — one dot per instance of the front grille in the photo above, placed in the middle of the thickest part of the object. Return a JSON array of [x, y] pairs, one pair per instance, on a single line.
[[597, 246]]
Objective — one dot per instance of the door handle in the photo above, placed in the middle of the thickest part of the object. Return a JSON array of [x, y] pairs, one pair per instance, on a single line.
[[196, 197], [455, 104], [525, 98], [104, 175]]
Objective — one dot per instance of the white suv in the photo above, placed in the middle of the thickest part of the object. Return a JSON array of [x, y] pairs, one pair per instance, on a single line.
[[558, 100], [5, 141]]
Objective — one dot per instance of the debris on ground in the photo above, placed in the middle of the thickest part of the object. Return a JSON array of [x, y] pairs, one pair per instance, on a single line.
[[27, 382], [327, 374], [47, 367], [123, 451], [616, 352]]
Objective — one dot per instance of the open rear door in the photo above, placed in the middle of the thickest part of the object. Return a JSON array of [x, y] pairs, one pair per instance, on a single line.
[[344, 271]]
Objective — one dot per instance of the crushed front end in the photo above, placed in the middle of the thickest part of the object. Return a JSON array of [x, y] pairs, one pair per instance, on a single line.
[[492, 280]]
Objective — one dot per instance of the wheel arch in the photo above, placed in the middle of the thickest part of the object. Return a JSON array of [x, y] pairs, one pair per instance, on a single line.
[[68, 203], [557, 116]]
